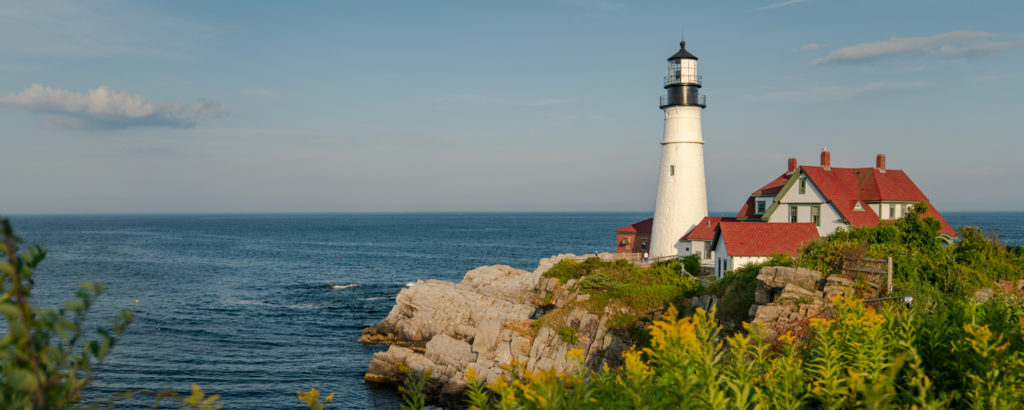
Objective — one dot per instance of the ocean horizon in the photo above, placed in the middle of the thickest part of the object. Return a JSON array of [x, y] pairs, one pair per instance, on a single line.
[[257, 307]]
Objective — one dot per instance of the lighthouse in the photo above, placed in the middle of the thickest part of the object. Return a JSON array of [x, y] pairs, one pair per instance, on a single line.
[[682, 195]]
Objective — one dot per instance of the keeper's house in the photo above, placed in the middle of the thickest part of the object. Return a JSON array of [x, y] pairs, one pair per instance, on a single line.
[[776, 218]]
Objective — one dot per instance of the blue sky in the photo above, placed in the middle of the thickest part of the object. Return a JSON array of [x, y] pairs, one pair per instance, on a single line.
[[401, 106]]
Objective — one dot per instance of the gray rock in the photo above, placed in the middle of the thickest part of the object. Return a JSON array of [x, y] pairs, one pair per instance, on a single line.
[[778, 276]]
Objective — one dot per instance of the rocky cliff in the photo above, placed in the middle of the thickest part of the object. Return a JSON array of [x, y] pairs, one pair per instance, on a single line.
[[498, 315], [488, 320]]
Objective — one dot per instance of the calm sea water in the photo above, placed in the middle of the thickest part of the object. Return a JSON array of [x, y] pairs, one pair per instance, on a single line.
[[258, 307]]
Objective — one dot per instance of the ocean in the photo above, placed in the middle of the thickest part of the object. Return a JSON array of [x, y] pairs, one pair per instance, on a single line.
[[258, 307]]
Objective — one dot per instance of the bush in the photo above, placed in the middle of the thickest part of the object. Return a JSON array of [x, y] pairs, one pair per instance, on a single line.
[[966, 356], [692, 264], [920, 261], [564, 270], [45, 357]]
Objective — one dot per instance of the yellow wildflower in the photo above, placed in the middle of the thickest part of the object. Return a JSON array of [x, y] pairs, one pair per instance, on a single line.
[[821, 324], [635, 363], [787, 338], [199, 400], [575, 354]]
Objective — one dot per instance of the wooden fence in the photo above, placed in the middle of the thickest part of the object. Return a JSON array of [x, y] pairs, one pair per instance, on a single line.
[[871, 266]]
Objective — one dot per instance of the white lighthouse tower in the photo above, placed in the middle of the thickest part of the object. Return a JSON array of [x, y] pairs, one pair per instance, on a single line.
[[682, 196]]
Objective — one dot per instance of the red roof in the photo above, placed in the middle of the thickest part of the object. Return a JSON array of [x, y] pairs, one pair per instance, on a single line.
[[643, 226], [772, 188], [763, 238], [705, 229], [844, 187]]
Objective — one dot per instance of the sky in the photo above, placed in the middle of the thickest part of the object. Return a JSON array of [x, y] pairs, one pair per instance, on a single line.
[[462, 106]]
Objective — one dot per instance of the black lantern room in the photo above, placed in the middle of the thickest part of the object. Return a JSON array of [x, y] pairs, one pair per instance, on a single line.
[[682, 81]]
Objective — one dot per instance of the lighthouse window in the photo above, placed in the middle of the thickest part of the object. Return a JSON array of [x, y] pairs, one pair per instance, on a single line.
[[671, 170]]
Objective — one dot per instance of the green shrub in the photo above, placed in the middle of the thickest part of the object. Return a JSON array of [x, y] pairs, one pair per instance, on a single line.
[[46, 359], [564, 270], [692, 264], [920, 260], [967, 355], [569, 334]]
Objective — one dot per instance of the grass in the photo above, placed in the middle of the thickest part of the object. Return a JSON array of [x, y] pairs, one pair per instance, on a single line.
[[640, 289], [634, 292]]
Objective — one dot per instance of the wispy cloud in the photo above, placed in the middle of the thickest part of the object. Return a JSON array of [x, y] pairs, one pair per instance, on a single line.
[[780, 4], [835, 93], [954, 44], [104, 108], [472, 99], [807, 47], [65, 28]]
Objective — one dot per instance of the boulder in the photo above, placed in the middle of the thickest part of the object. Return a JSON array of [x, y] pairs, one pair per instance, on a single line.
[[780, 276], [484, 323]]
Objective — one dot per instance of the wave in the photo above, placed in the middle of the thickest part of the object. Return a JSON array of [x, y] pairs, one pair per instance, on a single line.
[[351, 285]]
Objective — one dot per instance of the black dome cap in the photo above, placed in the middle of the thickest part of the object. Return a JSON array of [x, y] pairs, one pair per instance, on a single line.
[[682, 53]]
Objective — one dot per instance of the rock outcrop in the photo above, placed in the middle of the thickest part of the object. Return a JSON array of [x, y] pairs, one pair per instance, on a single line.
[[485, 322], [786, 298]]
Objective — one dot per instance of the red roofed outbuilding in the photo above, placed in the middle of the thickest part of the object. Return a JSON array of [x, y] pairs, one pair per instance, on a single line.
[[737, 244], [700, 238], [634, 238]]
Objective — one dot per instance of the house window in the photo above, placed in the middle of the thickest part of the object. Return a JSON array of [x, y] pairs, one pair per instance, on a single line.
[[671, 170], [792, 213], [707, 250], [643, 244], [803, 185], [892, 211], [760, 207], [816, 214]]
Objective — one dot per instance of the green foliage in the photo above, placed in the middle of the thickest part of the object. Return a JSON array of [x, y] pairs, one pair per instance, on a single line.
[[642, 289], [46, 358], [967, 355], [735, 290], [692, 264], [922, 265], [564, 270], [413, 397], [569, 334]]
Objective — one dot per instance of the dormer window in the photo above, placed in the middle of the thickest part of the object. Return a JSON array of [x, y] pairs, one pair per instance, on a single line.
[[759, 208]]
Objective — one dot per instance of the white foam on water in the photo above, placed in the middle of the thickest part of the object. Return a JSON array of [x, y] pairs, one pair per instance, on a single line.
[[351, 285]]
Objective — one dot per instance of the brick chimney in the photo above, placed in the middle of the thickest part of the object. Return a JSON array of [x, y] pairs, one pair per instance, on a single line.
[[791, 166], [826, 159], [880, 162]]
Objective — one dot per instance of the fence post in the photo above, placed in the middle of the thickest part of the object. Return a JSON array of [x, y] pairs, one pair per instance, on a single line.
[[889, 271]]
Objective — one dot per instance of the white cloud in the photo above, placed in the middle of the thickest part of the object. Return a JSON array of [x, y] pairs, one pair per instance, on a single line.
[[954, 44], [834, 93], [780, 4], [806, 47], [106, 108]]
